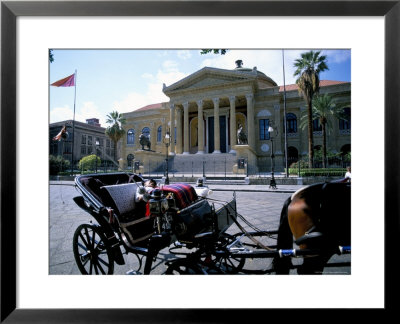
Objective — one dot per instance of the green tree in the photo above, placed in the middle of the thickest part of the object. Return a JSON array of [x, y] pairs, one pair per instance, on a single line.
[[57, 164], [88, 162], [308, 68], [324, 107], [115, 131]]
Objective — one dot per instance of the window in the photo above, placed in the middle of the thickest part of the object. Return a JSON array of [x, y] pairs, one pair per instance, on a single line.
[[89, 140], [316, 125], [67, 148], [345, 124], [83, 150], [83, 139], [291, 123], [146, 131], [130, 137], [264, 134], [159, 134]]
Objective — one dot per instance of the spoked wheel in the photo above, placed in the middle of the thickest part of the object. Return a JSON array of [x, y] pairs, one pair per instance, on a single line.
[[230, 265], [92, 255], [183, 267]]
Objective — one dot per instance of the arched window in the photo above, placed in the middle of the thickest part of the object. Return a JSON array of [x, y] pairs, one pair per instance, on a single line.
[[159, 134], [146, 131], [130, 137], [291, 123], [345, 124]]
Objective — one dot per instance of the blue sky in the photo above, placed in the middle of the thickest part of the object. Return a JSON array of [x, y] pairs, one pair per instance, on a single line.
[[125, 80]]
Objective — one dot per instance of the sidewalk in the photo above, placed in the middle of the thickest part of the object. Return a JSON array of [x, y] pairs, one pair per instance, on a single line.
[[221, 185], [253, 188]]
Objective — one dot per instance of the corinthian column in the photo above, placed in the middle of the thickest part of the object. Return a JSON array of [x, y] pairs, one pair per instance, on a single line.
[[186, 128], [232, 123], [217, 140], [250, 121], [178, 130], [172, 130], [153, 136], [200, 128]]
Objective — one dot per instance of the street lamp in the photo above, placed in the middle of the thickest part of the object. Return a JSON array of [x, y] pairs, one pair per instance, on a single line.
[[272, 134], [97, 146], [167, 142]]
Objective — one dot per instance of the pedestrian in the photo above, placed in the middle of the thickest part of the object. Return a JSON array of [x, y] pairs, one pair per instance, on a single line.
[[347, 176]]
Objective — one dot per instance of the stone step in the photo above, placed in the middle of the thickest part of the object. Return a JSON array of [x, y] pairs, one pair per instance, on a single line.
[[212, 162]]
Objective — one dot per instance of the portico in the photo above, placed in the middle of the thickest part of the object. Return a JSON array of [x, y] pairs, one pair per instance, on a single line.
[[215, 124], [219, 100]]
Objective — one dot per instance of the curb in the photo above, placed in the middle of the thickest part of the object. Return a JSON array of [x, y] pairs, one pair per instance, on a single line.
[[255, 190]]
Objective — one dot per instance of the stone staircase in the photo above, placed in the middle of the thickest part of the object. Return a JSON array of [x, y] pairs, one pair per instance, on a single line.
[[213, 163]]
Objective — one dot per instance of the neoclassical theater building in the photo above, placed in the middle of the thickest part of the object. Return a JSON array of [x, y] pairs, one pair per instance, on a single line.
[[207, 108]]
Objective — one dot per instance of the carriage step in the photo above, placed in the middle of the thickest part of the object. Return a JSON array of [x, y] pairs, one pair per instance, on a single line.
[[133, 272]]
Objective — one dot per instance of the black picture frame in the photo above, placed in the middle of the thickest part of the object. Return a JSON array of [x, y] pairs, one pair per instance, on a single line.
[[10, 10]]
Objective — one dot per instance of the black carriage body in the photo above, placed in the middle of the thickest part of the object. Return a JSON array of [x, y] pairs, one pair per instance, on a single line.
[[110, 199], [195, 219], [117, 192]]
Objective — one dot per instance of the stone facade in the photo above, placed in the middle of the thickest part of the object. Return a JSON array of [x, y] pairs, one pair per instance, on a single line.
[[223, 100], [85, 138]]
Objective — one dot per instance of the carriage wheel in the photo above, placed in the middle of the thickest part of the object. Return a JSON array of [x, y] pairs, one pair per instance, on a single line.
[[230, 265], [92, 254], [183, 267]]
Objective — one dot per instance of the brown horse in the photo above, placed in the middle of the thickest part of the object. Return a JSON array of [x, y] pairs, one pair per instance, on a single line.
[[318, 217]]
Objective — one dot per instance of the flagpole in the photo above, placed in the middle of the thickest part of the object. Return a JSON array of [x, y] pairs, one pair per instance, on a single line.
[[284, 113], [73, 128]]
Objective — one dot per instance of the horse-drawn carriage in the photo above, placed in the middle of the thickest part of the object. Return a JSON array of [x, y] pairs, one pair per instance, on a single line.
[[183, 219]]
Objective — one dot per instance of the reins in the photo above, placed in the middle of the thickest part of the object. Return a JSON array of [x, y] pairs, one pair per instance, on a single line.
[[243, 230]]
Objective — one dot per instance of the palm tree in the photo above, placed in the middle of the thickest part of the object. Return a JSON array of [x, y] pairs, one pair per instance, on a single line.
[[308, 68], [115, 131], [324, 107]]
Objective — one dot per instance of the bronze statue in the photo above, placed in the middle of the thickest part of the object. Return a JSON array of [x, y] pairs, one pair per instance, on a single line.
[[145, 141], [241, 136]]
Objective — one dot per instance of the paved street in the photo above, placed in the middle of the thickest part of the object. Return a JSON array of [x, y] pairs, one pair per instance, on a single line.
[[260, 206]]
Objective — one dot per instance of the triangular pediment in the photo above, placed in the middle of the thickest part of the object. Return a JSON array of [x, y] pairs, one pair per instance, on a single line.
[[209, 77]]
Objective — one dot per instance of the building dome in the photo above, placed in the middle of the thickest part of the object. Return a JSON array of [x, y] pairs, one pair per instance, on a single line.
[[260, 75]]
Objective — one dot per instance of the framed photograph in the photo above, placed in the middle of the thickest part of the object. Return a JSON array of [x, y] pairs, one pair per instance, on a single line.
[[370, 29]]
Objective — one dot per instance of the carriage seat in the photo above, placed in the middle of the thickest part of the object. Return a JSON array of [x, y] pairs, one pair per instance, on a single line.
[[123, 197], [94, 185]]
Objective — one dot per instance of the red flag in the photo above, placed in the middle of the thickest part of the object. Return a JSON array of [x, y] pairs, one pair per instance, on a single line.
[[69, 81], [63, 134]]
